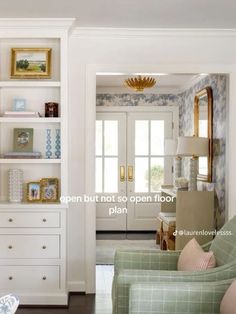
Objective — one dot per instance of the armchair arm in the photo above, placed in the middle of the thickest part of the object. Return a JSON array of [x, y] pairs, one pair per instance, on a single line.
[[125, 278], [156, 260], [177, 298]]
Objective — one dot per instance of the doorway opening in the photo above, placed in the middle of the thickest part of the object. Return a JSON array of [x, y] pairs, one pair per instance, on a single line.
[[131, 164]]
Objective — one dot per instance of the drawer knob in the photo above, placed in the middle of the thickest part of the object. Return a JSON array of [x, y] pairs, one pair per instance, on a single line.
[[44, 278], [44, 219], [10, 247], [10, 220], [44, 247], [10, 277]]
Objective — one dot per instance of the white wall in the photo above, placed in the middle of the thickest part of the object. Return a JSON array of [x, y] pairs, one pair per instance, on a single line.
[[139, 51]]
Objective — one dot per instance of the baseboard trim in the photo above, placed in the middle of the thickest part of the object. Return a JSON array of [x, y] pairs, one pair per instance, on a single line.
[[76, 286]]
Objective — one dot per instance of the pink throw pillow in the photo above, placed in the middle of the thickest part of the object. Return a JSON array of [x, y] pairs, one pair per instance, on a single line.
[[193, 258], [228, 303]]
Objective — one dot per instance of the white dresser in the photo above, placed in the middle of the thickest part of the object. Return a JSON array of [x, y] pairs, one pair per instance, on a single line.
[[33, 253]]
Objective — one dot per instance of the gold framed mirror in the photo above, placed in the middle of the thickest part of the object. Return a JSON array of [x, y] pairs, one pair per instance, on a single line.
[[203, 127]]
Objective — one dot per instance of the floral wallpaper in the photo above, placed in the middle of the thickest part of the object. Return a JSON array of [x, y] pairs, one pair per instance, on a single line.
[[186, 122], [137, 100], [185, 101]]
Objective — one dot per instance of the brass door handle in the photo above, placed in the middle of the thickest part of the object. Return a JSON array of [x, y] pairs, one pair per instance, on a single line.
[[122, 173], [130, 173]]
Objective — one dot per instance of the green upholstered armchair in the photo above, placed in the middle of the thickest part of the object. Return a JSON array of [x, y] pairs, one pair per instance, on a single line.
[[177, 297], [160, 267]]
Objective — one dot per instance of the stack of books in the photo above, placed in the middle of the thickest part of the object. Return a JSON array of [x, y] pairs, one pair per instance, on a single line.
[[21, 114], [23, 155]]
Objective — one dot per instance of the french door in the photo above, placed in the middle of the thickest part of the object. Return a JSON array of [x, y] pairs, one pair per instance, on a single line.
[[130, 168]]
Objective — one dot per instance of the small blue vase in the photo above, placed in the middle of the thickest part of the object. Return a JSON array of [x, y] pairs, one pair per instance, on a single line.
[[48, 144], [58, 144]]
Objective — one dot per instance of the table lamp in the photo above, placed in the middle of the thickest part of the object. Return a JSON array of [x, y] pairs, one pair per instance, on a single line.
[[194, 147]]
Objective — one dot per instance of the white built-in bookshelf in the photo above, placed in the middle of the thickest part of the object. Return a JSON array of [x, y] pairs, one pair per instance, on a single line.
[[33, 246], [36, 92]]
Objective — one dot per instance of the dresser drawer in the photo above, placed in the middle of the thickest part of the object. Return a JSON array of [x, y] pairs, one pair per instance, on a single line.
[[37, 278], [29, 246], [29, 220]]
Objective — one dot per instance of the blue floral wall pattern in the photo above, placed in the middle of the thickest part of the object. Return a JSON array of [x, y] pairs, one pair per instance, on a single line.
[[137, 100], [186, 120], [185, 102]]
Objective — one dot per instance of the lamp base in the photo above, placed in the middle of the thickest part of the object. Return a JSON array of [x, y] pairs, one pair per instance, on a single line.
[[193, 170], [177, 168]]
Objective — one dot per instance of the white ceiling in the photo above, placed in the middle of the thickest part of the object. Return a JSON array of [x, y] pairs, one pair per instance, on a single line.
[[129, 13], [171, 83]]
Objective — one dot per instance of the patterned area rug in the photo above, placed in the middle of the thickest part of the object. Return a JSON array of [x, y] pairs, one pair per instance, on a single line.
[[106, 248]]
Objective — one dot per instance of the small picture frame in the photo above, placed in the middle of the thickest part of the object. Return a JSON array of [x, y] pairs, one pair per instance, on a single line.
[[19, 104], [23, 140], [49, 190], [51, 110], [33, 192], [30, 63]]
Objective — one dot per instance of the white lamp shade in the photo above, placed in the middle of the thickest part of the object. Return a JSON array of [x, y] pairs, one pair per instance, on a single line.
[[193, 146], [170, 147]]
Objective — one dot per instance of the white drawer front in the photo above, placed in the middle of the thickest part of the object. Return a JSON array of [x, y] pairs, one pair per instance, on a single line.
[[37, 278], [29, 220], [29, 246]]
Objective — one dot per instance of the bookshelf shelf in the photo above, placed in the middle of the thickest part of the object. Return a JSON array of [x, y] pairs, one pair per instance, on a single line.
[[29, 120], [29, 161], [30, 83]]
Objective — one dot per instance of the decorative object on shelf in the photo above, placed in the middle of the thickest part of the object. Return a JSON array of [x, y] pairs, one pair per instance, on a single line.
[[21, 114], [51, 110], [49, 189], [170, 148], [58, 144], [31, 63], [140, 83], [48, 143], [15, 185], [22, 155], [194, 147], [19, 104], [33, 192], [23, 140]]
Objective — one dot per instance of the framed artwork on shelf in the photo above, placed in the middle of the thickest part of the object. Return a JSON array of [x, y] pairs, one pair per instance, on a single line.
[[33, 192], [19, 104], [49, 189], [23, 140], [31, 63]]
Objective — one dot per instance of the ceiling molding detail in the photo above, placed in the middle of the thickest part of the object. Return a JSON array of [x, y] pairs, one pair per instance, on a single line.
[[150, 32], [11, 26]]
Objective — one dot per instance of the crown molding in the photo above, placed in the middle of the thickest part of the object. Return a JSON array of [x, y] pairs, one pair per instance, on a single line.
[[91, 32], [36, 23]]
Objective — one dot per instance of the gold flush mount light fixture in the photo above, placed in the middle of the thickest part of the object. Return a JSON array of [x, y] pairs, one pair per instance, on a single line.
[[140, 83]]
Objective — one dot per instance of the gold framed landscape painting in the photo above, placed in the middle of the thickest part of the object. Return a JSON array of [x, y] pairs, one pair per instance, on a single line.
[[31, 63]]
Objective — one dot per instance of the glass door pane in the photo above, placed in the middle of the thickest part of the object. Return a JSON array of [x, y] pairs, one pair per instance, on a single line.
[[149, 146], [107, 156]]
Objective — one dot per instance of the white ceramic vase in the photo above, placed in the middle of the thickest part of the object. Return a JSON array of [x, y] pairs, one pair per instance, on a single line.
[[15, 185]]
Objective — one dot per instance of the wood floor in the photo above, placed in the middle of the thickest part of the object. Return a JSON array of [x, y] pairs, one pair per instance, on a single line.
[[85, 304]]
